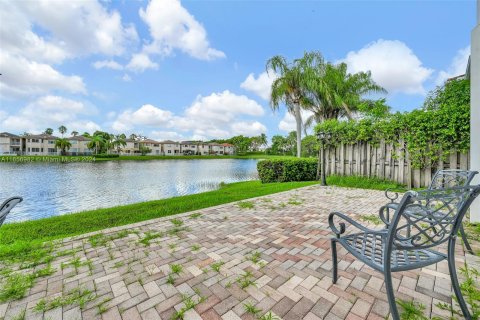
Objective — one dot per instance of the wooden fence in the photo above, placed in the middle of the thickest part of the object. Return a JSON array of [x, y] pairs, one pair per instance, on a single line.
[[386, 161]]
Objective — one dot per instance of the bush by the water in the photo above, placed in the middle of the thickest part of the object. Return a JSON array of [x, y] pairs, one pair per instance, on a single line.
[[287, 170], [104, 155]]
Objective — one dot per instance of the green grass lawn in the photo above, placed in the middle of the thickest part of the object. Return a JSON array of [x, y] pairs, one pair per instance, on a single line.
[[364, 183]]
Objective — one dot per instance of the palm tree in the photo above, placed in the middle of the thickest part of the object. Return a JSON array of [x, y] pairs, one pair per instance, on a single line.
[[74, 133], [334, 93], [133, 136], [63, 144], [62, 129], [96, 142], [262, 140], [48, 131], [120, 141], [291, 84]]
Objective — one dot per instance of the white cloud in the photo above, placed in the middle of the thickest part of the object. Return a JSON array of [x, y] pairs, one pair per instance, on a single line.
[[50, 111], [141, 62], [261, 86], [218, 115], [288, 122], [36, 35], [251, 128], [171, 28], [167, 135], [109, 64], [393, 65], [21, 77], [457, 67], [81, 27], [147, 115], [126, 78]]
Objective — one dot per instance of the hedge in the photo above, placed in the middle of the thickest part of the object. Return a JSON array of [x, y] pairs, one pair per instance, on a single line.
[[104, 155], [287, 170]]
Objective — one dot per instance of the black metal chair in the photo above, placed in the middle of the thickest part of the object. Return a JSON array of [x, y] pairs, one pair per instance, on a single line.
[[422, 220], [8, 205], [442, 179]]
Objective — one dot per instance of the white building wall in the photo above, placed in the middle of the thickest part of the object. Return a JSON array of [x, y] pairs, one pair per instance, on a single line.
[[475, 111]]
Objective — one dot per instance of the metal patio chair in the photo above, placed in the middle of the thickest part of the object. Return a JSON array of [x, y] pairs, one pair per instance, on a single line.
[[8, 205], [441, 180], [422, 220]]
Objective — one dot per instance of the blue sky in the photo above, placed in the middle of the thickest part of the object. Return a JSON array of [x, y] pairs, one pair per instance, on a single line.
[[196, 69]]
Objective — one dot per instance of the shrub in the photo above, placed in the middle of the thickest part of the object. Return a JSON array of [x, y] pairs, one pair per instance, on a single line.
[[287, 170], [104, 155]]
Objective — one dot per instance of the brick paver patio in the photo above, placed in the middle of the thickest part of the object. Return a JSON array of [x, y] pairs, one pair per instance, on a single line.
[[278, 251]]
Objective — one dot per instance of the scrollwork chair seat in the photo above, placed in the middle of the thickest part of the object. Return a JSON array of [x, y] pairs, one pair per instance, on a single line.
[[370, 248]]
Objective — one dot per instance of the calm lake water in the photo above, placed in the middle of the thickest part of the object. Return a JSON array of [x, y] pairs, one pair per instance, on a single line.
[[50, 189]]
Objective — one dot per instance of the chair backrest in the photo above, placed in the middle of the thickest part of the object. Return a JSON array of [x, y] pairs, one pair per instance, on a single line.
[[8, 205], [427, 218], [451, 178]]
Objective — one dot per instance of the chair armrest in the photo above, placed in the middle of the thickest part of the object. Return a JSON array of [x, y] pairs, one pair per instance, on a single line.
[[342, 224], [391, 195], [384, 209]]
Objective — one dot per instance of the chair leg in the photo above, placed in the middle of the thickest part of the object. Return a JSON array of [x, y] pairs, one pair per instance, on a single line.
[[334, 260], [454, 279], [390, 295], [465, 240]]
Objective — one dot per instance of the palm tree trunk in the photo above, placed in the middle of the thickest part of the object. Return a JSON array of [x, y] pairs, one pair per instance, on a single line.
[[298, 119]]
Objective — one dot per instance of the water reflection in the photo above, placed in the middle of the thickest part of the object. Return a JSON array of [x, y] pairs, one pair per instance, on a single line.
[[52, 189]]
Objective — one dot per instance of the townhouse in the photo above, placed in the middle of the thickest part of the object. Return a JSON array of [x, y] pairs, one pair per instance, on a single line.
[[40, 145], [79, 146], [44, 144], [10, 143], [170, 148]]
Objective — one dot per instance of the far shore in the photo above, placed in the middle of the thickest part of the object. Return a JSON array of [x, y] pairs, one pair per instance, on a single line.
[[93, 158]]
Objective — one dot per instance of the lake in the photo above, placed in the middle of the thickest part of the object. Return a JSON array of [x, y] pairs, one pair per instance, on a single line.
[[50, 189]]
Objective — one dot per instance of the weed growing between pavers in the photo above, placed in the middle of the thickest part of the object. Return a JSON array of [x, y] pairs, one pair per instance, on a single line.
[[195, 247], [246, 205], [411, 310], [102, 306], [189, 303], [77, 295], [77, 263], [471, 292], [254, 257], [250, 308], [101, 239], [175, 270], [177, 222], [21, 315], [149, 236], [269, 316], [217, 265], [195, 215], [373, 218], [246, 280], [16, 285]]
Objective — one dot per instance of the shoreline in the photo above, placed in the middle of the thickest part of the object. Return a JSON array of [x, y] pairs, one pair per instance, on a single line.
[[92, 159]]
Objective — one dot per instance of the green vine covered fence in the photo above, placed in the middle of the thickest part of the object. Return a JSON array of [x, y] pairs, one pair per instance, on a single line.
[[405, 147]]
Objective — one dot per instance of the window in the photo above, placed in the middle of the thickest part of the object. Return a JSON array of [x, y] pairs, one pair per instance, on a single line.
[[51, 150], [169, 151], [35, 149], [51, 141], [35, 140]]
